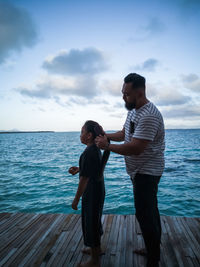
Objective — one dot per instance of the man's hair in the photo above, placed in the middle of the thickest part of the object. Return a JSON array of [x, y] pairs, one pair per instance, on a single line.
[[136, 80]]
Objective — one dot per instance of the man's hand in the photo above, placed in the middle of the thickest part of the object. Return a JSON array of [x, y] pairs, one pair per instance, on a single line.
[[102, 142], [73, 170], [75, 204]]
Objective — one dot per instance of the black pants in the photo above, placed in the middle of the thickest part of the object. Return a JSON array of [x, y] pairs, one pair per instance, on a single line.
[[91, 213], [145, 196]]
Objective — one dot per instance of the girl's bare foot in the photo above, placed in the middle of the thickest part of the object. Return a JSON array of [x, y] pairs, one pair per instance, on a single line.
[[88, 251], [141, 252]]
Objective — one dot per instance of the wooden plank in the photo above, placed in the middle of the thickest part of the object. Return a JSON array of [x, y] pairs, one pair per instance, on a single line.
[[66, 246], [191, 240], [176, 240], [36, 255], [111, 243], [106, 236], [141, 260], [11, 222], [191, 251], [15, 239], [5, 259], [56, 240], [194, 226], [166, 247], [28, 244], [129, 242], [66, 258]]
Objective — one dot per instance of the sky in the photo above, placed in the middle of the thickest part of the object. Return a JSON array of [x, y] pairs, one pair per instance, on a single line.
[[63, 62]]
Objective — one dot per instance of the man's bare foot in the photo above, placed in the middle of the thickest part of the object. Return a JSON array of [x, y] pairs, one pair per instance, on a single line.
[[89, 264], [88, 251], [141, 252]]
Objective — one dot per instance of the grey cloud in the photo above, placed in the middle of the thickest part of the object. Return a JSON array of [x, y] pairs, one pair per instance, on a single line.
[[87, 61], [78, 100], [39, 92], [190, 78], [117, 115], [119, 105], [148, 65], [85, 87], [171, 100], [184, 111], [167, 95], [113, 87], [191, 82], [17, 30], [188, 7], [154, 26]]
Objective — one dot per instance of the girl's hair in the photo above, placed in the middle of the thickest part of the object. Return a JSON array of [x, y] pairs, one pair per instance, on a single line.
[[96, 130]]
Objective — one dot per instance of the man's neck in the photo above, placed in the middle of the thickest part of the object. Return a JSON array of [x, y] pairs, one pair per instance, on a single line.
[[141, 102]]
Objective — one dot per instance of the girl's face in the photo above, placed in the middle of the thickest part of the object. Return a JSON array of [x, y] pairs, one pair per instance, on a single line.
[[85, 137]]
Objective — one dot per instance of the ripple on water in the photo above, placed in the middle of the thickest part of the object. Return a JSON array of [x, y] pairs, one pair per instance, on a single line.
[[34, 175]]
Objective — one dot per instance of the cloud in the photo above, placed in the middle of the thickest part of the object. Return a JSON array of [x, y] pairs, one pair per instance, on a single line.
[[53, 86], [112, 87], [148, 65], [191, 82], [187, 7], [72, 74], [17, 30], [152, 28], [164, 95], [155, 26], [75, 62], [184, 111]]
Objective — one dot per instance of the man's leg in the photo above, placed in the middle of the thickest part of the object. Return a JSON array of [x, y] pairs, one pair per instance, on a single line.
[[147, 214]]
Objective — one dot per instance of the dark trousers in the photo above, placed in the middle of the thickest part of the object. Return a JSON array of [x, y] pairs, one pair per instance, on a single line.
[[145, 189]]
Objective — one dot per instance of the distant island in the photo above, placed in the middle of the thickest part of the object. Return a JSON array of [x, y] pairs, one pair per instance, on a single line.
[[14, 132]]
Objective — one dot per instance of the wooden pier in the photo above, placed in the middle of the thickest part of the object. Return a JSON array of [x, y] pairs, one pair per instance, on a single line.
[[56, 240]]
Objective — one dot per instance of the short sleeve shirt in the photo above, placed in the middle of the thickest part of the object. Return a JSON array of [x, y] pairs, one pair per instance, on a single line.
[[90, 163], [146, 123]]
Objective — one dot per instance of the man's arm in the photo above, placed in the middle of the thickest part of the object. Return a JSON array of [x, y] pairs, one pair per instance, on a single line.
[[135, 147], [118, 136]]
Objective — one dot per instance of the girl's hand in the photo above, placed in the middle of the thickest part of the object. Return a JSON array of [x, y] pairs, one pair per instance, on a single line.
[[73, 170], [75, 204]]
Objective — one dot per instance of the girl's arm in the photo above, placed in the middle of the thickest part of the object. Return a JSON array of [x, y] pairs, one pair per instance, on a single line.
[[81, 188]]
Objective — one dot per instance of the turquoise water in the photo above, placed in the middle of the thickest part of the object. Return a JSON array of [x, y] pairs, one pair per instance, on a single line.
[[34, 174]]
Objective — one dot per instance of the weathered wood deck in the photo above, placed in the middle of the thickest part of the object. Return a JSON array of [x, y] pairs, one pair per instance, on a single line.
[[56, 240]]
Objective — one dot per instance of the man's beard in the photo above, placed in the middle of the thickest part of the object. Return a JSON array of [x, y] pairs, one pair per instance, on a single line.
[[129, 106]]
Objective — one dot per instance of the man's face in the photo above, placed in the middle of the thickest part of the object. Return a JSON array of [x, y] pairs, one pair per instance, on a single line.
[[129, 96]]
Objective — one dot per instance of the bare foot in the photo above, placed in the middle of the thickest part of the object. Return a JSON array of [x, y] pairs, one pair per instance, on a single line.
[[89, 264], [88, 251], [141, 252]]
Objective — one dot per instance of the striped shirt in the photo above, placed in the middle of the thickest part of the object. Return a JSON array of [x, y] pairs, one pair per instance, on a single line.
[[146, 123]]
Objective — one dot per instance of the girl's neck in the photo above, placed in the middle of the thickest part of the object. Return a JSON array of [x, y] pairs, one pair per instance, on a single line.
[[90, 143]]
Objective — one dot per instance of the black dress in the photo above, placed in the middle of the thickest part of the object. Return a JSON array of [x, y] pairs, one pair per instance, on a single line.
[[93, 196]]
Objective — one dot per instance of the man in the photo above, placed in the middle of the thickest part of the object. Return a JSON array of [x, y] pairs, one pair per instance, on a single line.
[[143, 149]]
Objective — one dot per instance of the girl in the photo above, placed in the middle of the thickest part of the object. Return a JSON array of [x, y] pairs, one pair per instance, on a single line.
[[91, 188]]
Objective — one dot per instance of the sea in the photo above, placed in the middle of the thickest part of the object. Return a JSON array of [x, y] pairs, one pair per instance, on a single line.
[[34, 174]]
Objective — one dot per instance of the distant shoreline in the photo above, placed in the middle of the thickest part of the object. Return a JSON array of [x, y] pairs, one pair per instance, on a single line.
[[27, 132], [18, 132]]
